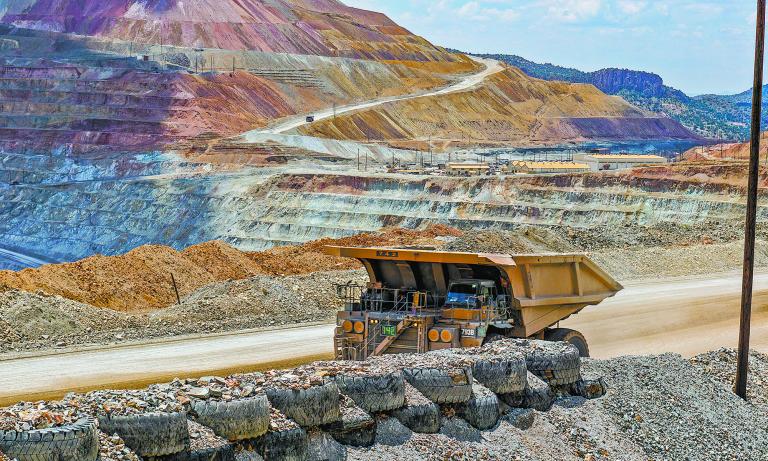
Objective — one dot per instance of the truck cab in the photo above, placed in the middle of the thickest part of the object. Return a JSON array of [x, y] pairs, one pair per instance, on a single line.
[[471, 293], [419, 300]]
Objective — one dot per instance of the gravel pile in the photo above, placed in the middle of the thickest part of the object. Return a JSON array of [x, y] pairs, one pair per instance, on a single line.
[[112, 448], [28, 416], [279, 422], [349, 409], [520, 346], [202, 438], [721, 365], [212, 388], [31, 321], [34, 320], [351, 368], [657, 408], [413, 397], [158, 398], [261, 301], [447, 362]]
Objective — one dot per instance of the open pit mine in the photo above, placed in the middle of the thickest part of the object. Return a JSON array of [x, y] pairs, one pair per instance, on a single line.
[[179, 181], [129, 123]]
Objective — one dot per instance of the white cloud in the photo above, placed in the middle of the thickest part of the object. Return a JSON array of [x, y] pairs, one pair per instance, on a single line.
[[632, 7], [476, 11], [572, 10]]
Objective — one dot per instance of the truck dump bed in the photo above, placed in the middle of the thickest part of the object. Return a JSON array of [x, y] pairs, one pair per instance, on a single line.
[[544, 289]]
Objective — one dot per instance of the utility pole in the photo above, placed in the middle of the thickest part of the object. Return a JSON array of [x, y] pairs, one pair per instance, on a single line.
[[430, 153], [366, 161], [742, 370], [358, 159]]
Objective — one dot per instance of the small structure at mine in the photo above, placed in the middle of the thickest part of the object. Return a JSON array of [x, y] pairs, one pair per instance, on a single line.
[[468, 169], [520, 166], [609, 162]]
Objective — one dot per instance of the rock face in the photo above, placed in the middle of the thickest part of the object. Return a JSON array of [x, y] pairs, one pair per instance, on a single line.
[[613, 81], [320, 27]]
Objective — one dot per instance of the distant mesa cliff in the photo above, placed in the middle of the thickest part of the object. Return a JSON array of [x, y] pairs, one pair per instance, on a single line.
[[613, 81]]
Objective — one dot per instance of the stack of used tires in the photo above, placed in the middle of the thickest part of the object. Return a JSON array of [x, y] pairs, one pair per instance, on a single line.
[[338, 403], [78, 441], [151, 435]]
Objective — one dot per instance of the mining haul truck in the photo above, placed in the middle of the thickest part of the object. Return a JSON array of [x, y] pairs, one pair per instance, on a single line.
[[422, 300]]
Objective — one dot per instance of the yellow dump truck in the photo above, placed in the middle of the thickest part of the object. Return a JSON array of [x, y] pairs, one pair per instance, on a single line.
[[422, 300]]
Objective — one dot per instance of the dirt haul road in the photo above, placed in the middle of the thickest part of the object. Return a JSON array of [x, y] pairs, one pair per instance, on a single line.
[[687, 316], [491, 67]]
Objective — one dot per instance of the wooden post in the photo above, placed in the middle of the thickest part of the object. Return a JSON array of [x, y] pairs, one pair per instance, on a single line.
[[742, 370], [175, 289]]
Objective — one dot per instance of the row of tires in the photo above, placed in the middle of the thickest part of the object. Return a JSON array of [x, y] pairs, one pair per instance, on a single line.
[[476, 392]]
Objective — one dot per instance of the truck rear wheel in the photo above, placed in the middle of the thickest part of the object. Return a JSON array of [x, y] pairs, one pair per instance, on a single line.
[[569, 336]]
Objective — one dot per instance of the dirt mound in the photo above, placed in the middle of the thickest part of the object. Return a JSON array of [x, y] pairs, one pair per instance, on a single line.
[[309, 257], [140, 280], [30, 321], [526, 240], [30, 318], [137, 280]]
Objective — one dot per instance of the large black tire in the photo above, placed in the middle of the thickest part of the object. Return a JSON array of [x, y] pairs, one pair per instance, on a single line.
[[323, 447], [459, 429], [290, 445], [502, 375], [556, 367], [75, 442], [311, 407], [441, 386], [421, 418], [235, 420], [482, 410], [358, 430], [223, 453], [375, 393], [589, 387], [537, 395], [521, 418], [150, 435], [569, 336]]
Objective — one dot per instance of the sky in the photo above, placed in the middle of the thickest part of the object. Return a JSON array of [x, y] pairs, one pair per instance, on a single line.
[[700, 47]]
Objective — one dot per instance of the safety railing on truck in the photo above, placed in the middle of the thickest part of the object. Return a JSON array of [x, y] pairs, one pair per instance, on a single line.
[[359, 297]]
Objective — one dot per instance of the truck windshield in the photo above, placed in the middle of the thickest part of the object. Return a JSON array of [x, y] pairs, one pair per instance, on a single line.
[[462, 293]]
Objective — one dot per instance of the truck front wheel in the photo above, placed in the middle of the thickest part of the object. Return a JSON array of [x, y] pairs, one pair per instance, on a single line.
[[569, 336]]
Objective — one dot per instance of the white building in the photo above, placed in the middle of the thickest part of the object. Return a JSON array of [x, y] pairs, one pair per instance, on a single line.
[[521, 166], [609, 162]]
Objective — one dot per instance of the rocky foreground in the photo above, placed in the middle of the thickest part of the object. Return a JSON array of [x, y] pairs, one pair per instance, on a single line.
[[656, 408]]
